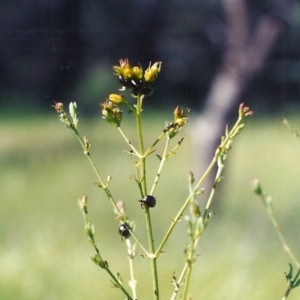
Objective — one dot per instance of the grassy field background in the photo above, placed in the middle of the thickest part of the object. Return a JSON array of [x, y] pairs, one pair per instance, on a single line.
[[44, 253]]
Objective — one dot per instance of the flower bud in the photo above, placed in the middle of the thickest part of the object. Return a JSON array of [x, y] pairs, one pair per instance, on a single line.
[[116, 99], [256, 187], [137, 72], [58, 106], [73, 113], [244, 111], [180, 115], [89, 230], [111, 113], [127, 73], [124, 63], [87, 145], [83, 203], [191, 178], [96, 258], [172, 129], [152, 72]]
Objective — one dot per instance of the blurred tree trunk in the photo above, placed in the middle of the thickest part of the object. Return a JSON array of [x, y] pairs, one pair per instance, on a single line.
[[244, 57]]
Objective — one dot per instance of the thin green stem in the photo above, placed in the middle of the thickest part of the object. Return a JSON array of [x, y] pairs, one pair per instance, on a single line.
[[293, 283], [183, 208], [84, 216], [131, 108], [188, 266], [129, 143], [141, 144], [154, 144], [162, 161], [173, 151], [222, 147], [144, 191], [292, 130], [187, 280], [151, 253], [275, 224], [287, 292], [102, 263], [138, 242], [101, 181], [179, 282], [138, 180], [118, 284], [212, 194], [132, 281], [106, 190]]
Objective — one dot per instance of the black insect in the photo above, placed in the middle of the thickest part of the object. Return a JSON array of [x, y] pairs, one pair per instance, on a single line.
[[148, 201], [123, 230]]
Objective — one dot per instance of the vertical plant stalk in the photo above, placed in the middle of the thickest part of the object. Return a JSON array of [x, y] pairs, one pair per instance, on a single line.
[[189, 268], [133, 281], [287, 292], [162, 161], [267, 201], [285, 245], [213, 191], [144, 191]]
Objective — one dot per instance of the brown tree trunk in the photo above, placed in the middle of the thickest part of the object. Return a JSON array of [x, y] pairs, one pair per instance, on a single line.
[[243, 58]]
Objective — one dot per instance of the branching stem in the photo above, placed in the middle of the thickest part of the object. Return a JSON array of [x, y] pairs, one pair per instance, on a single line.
[[144, 193], [163, 159], [129, 143], [106, 189], [103, 264], [224, 146]]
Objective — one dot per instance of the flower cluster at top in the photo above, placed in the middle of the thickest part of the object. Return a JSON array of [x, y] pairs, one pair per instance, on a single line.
[[140, 83], [135, 78]]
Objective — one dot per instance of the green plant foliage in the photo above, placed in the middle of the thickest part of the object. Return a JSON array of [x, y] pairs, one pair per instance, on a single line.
[[43, 253]]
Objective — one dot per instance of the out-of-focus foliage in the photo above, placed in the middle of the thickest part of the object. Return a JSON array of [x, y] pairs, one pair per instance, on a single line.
[[44, 252]]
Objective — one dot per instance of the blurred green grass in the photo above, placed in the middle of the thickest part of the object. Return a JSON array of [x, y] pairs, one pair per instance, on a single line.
[[44, 253]]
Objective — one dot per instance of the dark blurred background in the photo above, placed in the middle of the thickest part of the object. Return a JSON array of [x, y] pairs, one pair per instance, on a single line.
[[55, 50], [215, 54]]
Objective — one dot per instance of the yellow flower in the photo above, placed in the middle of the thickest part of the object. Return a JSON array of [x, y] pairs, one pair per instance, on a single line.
[[180, 116], [152, 71], [124, 70], [135, 78], [180, 122], [137, 72]]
